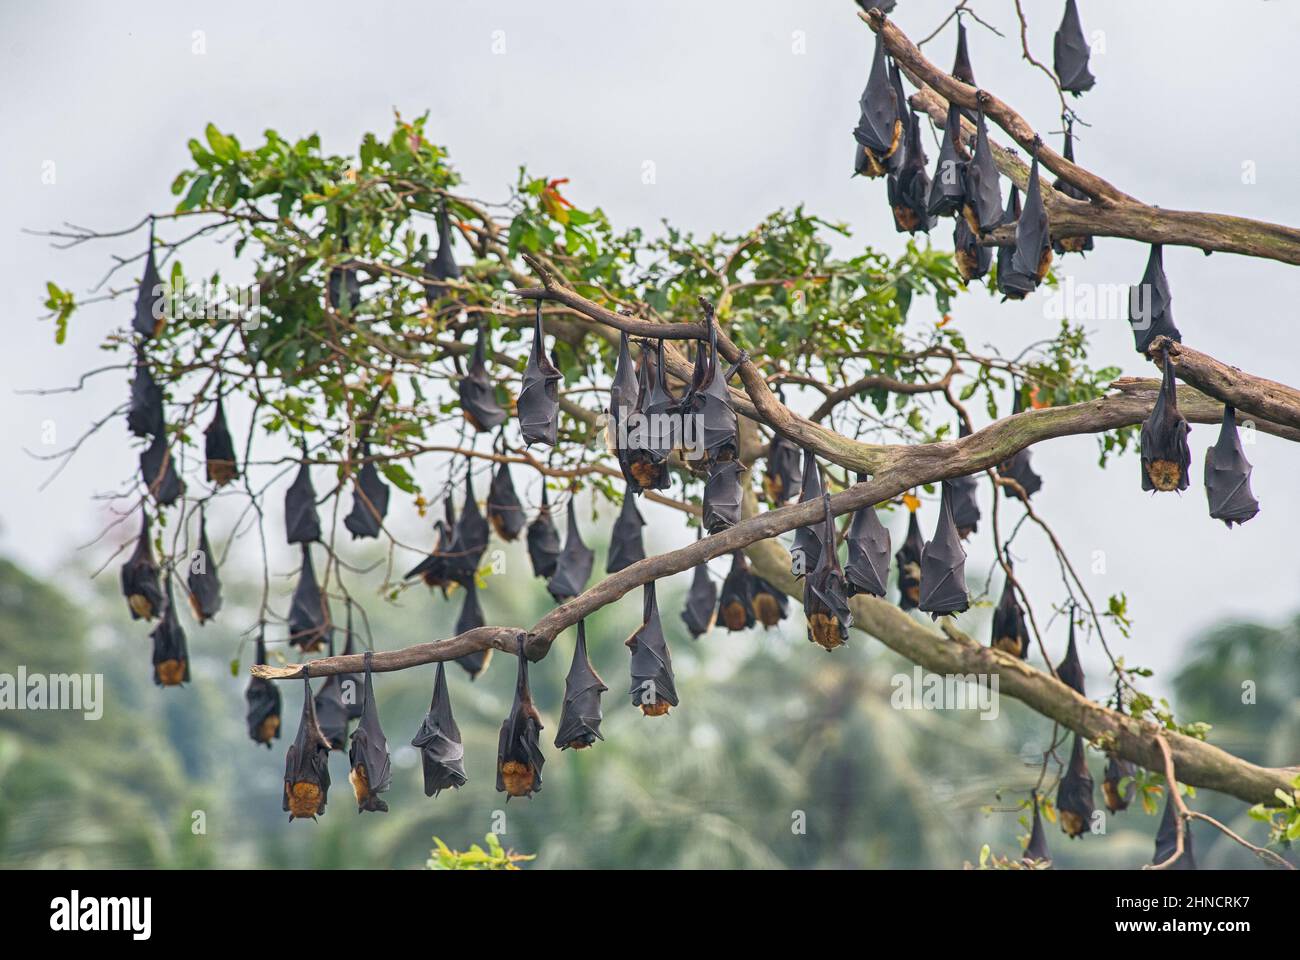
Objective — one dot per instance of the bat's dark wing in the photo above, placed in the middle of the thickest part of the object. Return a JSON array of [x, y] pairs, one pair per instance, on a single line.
[[983, 205], [306, 768], [470, 538], [1009, 631], [504, 510], [150, 298], [1070, 671], [625, 541], [1119, 784], [171, 655], [653, 688], [442, 754], [573, 569], [519, 751], [1167, 839], [1166, 457], [1036, 848], [263, 704], [219, 449], [722, 496], [1070, 50], [309, 618], [973, 258], [700, 610], [539, 397], [1032, 255], [543, 541], [580, 720], [943, 567], [368, 755], [369, 501], [1151, 304], [948, 185], [471, 617], [868, 568], [145, 415], [1074, 803], [908, 559], [879, 131], [140, 584], [825, 594], [782, 481], [202, 580], [442, 266], [478, 397], [301, 522], [807, 540], [158, 470], [736, 602], [1227, 475]]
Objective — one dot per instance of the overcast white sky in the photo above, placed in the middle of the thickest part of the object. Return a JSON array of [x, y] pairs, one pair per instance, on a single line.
[[743, 107]]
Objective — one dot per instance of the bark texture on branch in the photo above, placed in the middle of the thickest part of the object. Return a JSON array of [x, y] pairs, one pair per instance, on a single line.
[[1249, 394]]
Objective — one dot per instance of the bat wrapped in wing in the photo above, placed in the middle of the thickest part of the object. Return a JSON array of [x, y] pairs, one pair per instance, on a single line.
[[1227, 475], [943, 566], [580, 719], [1074, 803], [441, 267], [442, 753], [504, 510], [908, 559], [1064, 245], [469, 539], [543, 541], [171, 655], [626, 544], [368, 755], [306, 767], [722, 496], [825, 595], [783, 479], [144, 417], [1151, 304], [539, 396], [867, 570], [369, 500], [478, 396], [301, 521], [158, 470], [879, 132], [219, 449], [1070, 670], [701, 608], [519, 749], [573, 568], [471, 618], [1032, 256], [653, 688], [1167, 837], [1166, 457], [140, 584], [150, 298], [309, 615], [203, 582], [736, 602], [807, 548], [948, 185], [263, 704], [982, 205], [1070, 53]]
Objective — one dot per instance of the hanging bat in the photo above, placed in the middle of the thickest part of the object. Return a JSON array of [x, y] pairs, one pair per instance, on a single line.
[[368, 755], [442, 754], [1167, 837], [471, 618], [301, 522], [1070, 670], [442, 266], [519, 751], [948, 185], [646, 448], [961, 68], [144, 417], [908, 559], [1227, 475], [306, 767], [1036, 848], [263, 699], [539, 397], [1070, 53], [807, 546], [543, 541], [771, 606], [369, 500], [783, 480], [332, 712], [349, 683], [1066, 245], [1018, 466], [879, 131], [504, 510], [1119, 784], [469, 539], [972, 257], [1032, 257], [869, 546], [580, 718], [150, 297], [433, 568], [1007, 251], [1165, 455], [1074, 804], [573, 569], [309, 615], [982, 207], [908, 190], [140, 583], [478, 397], [1151, 305], [825, 599], [701, 609], [722, 496], [219, 449], [653, 688], [624, 400], [625, 540], [1010, 634], [203, 582], [713, 403], [943, 566], [158, 470], [171, 656], [736, 602]]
